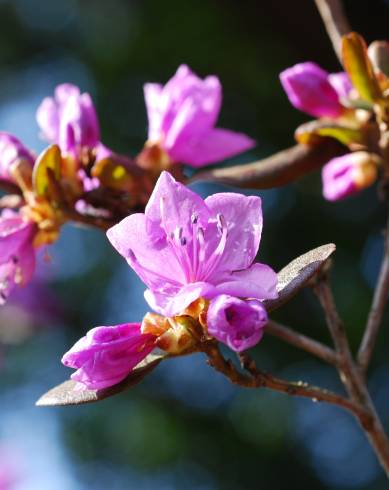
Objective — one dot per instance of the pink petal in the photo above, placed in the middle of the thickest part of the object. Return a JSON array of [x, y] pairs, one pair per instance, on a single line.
[[174, 304], [243, 216], [152, 260], [48, 119], [155, 109], [178, 204], [213, 146], [259, 282]]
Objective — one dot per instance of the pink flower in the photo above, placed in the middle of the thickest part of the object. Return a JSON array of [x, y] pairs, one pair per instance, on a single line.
[[348, 174], [182, 117], [11, 150], [237, 323], [17, 255], [106, 355], [69, 119], [313, 90], [184, 248]]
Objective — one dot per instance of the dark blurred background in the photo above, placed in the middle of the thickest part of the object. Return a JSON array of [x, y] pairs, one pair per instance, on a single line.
[[185, 427]]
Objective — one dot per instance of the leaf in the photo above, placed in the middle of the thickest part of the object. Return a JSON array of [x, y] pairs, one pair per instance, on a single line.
[[50, 158], [114, 173], [311, 133], [359, 68], [295, 275], [65, 393]]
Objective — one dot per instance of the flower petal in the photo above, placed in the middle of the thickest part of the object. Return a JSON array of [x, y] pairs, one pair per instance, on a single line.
[[213, 146], [174, 304], [243, 216], [48, 119], [259, 282], [153, 260], [178, 204], [153, 93]]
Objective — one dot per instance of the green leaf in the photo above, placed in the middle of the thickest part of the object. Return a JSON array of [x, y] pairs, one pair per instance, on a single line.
[[50, 158], [65, 393], [311, 133], [359, 68], [114, 174]]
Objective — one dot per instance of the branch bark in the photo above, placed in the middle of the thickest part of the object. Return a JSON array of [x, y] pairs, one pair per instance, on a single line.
[[335, 22], [303, 342], [351, 377], [377, 310], [260, 379], [277, 170]]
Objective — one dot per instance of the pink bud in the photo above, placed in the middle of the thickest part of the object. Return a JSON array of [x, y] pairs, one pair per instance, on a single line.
[[309, 89], [348, 174], [236, 322], [106, 355], [11, 150]]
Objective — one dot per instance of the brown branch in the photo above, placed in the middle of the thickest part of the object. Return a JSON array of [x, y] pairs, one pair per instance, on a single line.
[[277, 170], [260, 379], [303, 342], [377, 310], [88, 220], [351, 377], [335, 22]]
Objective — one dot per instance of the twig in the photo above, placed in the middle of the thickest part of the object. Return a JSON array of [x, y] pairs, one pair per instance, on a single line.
[[351, 376], [260, 379], [88, 220], [377, 310], [277, 170], [335, 21], [302, 342]]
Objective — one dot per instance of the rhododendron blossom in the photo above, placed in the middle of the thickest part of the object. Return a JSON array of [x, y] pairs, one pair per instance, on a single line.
[[313, 90], [17, 254], [11, 150], [69, 119], [106, 355], [184, 247], [182, 117]]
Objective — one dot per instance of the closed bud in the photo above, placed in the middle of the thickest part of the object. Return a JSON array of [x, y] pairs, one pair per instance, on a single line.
[[310, 90], [379, 56], [348, 174]]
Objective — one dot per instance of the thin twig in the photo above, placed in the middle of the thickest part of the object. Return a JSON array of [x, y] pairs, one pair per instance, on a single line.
[[260, 379], [335, 21], [351, 376], [277, 170], [91, 221], [377, 310], [303, 342]]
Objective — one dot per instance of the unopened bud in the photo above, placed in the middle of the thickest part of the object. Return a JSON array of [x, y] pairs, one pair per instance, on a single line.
[[178, 339], [379, 56], [348, 174]]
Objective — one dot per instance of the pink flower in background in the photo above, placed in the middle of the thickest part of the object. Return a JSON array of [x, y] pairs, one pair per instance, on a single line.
[[106, 355], [69, 119], [313, 90], [17, 255], [184, 247], [8, 472], [182, 117], [235, 322], [348, 174], [11, 150]]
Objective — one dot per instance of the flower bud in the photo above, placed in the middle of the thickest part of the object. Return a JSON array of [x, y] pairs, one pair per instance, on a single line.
[[106, 355], [235, 322], [309, 90], [11, 152], [348, 174], [379, 56]]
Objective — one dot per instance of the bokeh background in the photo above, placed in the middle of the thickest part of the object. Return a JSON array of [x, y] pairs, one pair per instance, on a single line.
[[184, 427]]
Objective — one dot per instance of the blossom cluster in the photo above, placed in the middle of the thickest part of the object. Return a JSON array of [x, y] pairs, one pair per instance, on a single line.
[[71, 175], [197, 259], [343, 114]]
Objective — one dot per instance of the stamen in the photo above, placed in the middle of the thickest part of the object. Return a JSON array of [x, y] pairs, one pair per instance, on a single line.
[[194, 218]]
